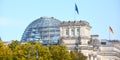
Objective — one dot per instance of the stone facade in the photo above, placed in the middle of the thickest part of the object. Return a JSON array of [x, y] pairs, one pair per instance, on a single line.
[[76, 36], [75, 32]]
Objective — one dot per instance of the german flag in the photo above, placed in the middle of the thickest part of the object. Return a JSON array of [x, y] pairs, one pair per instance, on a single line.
[[111, 30]]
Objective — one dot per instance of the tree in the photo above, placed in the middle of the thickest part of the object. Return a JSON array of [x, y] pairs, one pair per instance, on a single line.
[[77, 55], [43, 52], [59, 53], [65, 55], [81, 56], [21, 52], [31, 51], [36, 51], [5, 52], [13, 45], [74, 55]]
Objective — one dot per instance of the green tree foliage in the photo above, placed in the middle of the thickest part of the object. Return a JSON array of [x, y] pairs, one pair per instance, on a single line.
[[59, 53], [77, 55], [36, 51], [21, 52], [74, 55], [32, 52], [43, 52], [13, 45], [81, 56], [5, 52]]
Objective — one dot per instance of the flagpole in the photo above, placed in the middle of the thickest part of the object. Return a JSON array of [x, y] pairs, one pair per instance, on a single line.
[[109, 32], [74, 13], [109, 35]]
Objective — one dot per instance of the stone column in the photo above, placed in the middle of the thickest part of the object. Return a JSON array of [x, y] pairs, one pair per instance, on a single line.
[[61, 32], [76, 32], [91, 57], [70, 32], [64, 32], [95, 58]]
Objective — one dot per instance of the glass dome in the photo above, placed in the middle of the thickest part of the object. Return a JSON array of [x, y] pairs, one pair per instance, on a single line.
[[45, 29]]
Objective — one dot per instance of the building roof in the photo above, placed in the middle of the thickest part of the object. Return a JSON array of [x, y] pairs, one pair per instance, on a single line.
[[75, 23], [42, 29]]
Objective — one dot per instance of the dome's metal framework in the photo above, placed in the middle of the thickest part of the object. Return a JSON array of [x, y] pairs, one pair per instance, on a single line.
[[45, 29]]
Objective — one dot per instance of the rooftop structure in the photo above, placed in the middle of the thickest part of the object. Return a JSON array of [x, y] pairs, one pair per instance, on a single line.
[[44, 29]]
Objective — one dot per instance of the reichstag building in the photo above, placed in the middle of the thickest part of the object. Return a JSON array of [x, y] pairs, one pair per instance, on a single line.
[[49, 30], [75, 35]]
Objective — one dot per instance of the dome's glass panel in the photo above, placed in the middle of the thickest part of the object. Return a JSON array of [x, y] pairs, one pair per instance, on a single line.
[[46, 30]]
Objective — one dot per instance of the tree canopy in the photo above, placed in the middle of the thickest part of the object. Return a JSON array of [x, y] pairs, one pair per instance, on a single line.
[[36, 51]]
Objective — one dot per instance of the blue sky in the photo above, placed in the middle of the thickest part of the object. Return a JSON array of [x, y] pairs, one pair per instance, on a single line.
[[16, 15]]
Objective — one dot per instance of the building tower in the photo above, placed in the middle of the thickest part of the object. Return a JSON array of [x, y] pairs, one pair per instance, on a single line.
[[74, 34]]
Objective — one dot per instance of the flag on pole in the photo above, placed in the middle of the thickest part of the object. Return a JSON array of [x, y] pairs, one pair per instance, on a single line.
[[111, 30], [76, 9]]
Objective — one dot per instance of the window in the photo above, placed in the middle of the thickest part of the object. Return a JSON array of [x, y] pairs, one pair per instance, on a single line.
[[73, 32], [67, 31], [78, 32]]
